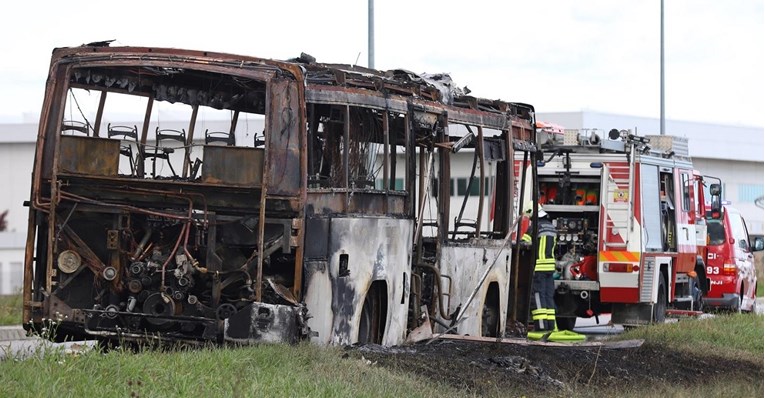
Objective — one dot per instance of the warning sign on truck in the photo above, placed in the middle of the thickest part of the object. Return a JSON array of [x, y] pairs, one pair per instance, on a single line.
[[620, 195]]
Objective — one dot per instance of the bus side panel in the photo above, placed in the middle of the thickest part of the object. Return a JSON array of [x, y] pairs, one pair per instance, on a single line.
[[465, 264], [360, 252]]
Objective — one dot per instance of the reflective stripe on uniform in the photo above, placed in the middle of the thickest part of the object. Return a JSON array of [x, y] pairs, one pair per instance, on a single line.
[[542, 312], [545, 259]]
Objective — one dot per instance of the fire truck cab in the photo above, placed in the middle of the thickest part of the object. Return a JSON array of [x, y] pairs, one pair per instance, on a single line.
[[629, 213]]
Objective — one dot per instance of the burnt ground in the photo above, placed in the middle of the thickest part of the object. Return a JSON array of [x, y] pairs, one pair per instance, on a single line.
[[490, 369]]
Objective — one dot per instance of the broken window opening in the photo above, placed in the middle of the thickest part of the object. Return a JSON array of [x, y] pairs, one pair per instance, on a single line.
[[183, 112], [472, 209], [353, 155]]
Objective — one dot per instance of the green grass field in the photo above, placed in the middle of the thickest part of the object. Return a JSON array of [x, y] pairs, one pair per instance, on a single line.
[[10, 310], [270, 370], [307, 370], [728, 335]]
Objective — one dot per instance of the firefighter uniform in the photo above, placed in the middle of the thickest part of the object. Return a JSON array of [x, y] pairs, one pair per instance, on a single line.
[[543, 287]]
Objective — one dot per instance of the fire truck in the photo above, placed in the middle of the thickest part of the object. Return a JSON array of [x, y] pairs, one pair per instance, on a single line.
[[629, 212]]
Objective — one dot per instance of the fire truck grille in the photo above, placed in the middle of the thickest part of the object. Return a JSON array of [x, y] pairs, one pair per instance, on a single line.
[[647, 280]]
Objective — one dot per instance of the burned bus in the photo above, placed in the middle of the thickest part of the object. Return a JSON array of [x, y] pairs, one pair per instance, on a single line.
[[319, 206]]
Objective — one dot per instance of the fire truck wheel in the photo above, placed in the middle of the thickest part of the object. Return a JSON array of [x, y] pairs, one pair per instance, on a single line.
[[565, 323], [660, 308]]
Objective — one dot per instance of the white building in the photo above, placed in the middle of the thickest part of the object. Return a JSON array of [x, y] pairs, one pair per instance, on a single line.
[[732, 153]]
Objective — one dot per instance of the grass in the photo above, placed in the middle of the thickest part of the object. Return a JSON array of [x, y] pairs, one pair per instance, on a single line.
[[734, 336], [714, 387], [10, 310], [268, 370], [730, 336], [309, 370]]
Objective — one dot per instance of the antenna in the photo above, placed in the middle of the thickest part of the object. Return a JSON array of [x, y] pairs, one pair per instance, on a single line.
[[357, 59]]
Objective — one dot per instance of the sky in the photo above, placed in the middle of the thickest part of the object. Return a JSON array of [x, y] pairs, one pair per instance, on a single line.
[[558, 55]]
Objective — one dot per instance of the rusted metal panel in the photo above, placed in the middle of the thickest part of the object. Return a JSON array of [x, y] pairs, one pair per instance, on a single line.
[[284, 138], [232, 165], [172, 57], [355, 97], [88, 155], [361, 97], [50, 127], [356, 202]]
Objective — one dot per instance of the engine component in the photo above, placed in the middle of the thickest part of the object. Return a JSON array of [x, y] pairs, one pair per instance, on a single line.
[[135, 286], [69, 261], [110, 273], [158, 304], [178, 295], [183, 281], [136, 268], [111, 311], [225, 310], [131, 304]]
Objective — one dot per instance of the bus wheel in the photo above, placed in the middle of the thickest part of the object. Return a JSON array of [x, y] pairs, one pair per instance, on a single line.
[[373, 314]]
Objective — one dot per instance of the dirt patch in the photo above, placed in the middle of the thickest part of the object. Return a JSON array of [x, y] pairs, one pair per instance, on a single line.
[[492, 368]]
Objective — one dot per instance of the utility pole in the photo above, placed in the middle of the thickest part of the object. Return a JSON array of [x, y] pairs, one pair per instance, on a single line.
[[371, 35], [661, 78]]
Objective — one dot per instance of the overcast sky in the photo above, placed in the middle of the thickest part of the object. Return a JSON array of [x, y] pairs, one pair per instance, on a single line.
[[558, 55]]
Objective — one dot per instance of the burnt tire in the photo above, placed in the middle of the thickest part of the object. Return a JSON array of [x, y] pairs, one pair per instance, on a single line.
[[565, 323], [660, 308]]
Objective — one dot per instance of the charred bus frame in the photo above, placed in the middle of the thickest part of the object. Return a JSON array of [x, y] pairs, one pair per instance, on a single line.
[[314, 228]]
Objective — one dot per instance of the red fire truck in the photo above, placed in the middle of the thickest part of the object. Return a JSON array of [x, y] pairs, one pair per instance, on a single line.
[[629, 213]]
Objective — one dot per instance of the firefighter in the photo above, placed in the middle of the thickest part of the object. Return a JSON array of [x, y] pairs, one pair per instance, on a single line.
[[543, 287]]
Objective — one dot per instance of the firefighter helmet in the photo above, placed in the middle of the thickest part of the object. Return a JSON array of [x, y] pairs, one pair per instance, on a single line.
[[529, 208]]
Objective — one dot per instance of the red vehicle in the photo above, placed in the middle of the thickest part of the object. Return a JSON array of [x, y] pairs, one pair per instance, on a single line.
[[730, 263], [630, 216]]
